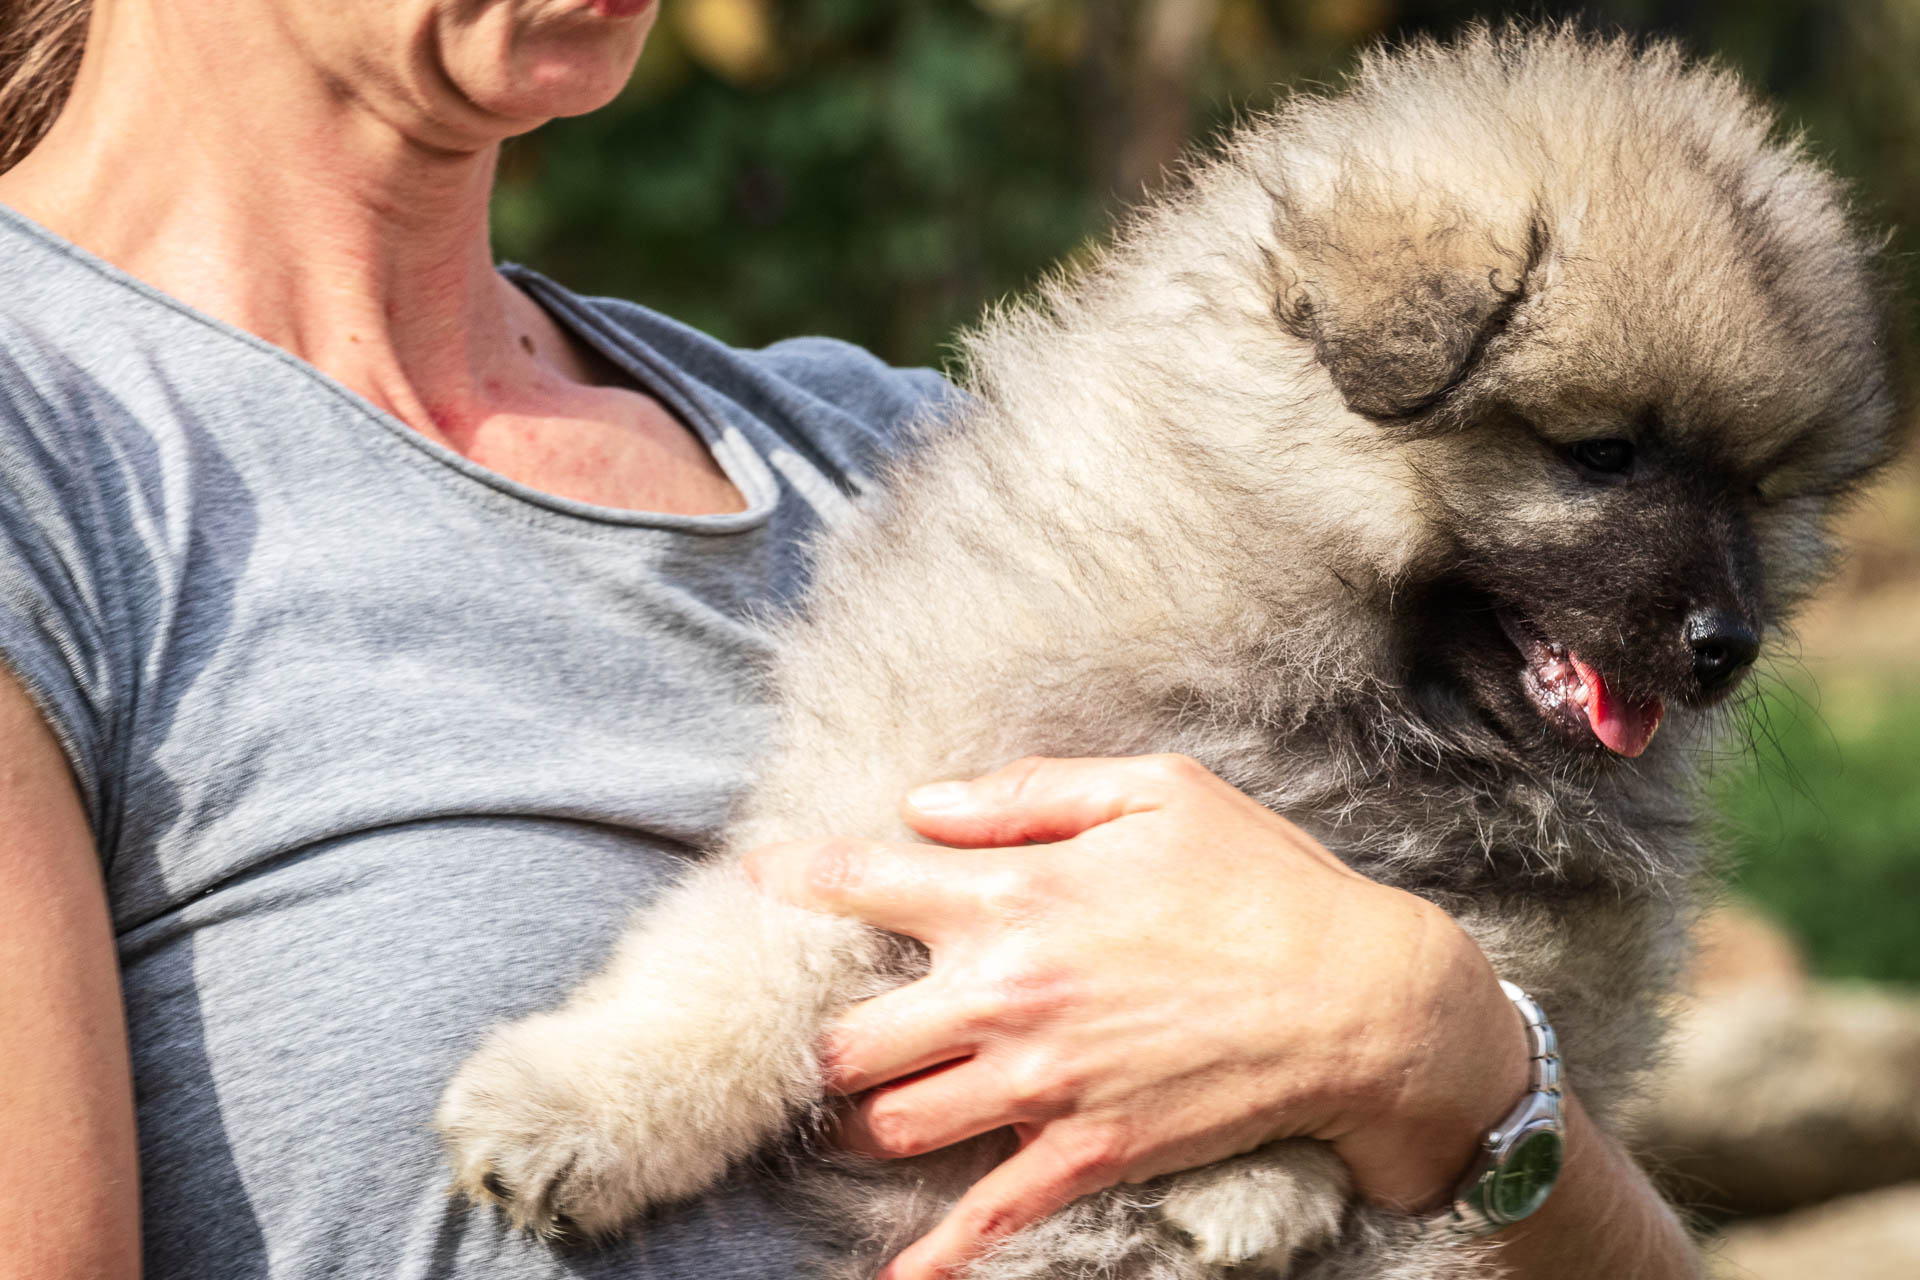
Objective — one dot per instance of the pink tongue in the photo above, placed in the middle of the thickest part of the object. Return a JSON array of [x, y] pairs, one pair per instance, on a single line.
[[1625, 727]]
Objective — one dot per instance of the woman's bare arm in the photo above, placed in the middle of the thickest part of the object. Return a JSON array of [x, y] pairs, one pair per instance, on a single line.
[[69, 1177], [1604, 1218]]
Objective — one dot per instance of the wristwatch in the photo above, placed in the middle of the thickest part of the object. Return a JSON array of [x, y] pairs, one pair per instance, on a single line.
[[1517, 1162]]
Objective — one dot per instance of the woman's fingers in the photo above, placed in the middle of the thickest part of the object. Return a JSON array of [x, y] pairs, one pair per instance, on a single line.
[[911, 889], [959, 1101], [916, 890], [921, 1025], [1038, 801], [1047, 1174]]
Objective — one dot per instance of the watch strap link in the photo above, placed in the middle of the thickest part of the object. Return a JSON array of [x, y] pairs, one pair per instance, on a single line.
[[1519, 1160]]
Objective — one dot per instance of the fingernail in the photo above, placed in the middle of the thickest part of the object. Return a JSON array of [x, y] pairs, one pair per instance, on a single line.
[[939, 797]]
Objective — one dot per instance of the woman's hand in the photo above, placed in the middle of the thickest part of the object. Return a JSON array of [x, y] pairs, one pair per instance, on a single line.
[[1167, 975]]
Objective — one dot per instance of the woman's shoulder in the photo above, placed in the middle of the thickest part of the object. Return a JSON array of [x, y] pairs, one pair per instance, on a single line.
[[82, 343], [58, 550], [111, 476]]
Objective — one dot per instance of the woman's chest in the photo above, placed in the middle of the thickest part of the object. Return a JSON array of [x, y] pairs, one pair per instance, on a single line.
[[334, 664]]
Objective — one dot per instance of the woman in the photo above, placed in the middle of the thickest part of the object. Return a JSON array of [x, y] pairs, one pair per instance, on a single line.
[[375, 624]]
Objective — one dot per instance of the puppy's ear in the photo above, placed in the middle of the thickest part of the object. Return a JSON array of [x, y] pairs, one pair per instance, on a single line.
[[1399, 319]]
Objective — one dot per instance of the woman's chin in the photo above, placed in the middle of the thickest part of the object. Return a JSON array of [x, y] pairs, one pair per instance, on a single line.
[[570, 93], [569, 66], [548, 87]]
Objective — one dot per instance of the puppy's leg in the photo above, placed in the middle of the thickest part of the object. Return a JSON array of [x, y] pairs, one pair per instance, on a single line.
[[1261, 1209], [694, 1047]]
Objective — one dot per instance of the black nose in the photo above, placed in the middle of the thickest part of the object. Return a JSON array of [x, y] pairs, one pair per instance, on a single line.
[[1723, 646]]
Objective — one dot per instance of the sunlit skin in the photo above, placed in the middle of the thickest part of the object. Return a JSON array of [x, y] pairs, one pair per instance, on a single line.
[[1171, 974]]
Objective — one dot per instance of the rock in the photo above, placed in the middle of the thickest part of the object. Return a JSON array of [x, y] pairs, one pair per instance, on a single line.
[[1736, 946], [1875, 1236], [1777, 1097]]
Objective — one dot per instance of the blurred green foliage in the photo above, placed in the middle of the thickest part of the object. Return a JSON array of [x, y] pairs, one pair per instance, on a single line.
[[910, 162], [1826, 828], [881, 169]]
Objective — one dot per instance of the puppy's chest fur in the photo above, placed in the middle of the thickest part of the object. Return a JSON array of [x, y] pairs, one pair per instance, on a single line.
[[1553, 878], [1578, 893], [1577, 888]]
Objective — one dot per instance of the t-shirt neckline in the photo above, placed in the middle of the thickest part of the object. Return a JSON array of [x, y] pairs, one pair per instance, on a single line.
[[729, 446]]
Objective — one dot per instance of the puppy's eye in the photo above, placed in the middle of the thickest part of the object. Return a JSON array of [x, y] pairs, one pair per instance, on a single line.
[[1609, 457]]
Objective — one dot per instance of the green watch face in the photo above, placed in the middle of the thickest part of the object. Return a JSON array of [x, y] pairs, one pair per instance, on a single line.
[[1522, 1184]]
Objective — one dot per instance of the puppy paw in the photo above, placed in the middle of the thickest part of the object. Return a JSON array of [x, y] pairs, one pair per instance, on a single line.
[[548, 1123], [1260, 1210]]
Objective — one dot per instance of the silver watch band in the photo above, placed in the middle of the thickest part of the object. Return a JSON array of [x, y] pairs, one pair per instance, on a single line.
[[1502, 1186]]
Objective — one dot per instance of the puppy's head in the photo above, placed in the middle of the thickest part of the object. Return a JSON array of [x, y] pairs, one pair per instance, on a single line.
[[1628, 346]]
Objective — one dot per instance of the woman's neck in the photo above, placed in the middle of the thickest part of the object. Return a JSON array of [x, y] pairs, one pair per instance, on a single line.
[[219, 167]]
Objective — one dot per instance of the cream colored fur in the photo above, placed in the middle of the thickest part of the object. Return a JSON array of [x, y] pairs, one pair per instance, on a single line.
[[1182, 513]]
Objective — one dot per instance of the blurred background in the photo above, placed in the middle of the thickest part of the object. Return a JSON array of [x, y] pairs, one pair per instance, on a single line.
[[878, 170]]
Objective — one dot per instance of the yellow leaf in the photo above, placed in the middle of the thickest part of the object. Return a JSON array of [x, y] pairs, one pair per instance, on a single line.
[[731, 38]]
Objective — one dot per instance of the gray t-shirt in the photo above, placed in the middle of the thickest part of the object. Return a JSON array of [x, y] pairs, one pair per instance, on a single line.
[[379, 747]]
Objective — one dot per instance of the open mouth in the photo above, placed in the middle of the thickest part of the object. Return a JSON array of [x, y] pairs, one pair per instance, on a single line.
[[1571, 693]]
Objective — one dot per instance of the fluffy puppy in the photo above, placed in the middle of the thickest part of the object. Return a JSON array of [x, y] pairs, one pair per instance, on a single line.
[[1433, 447]]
